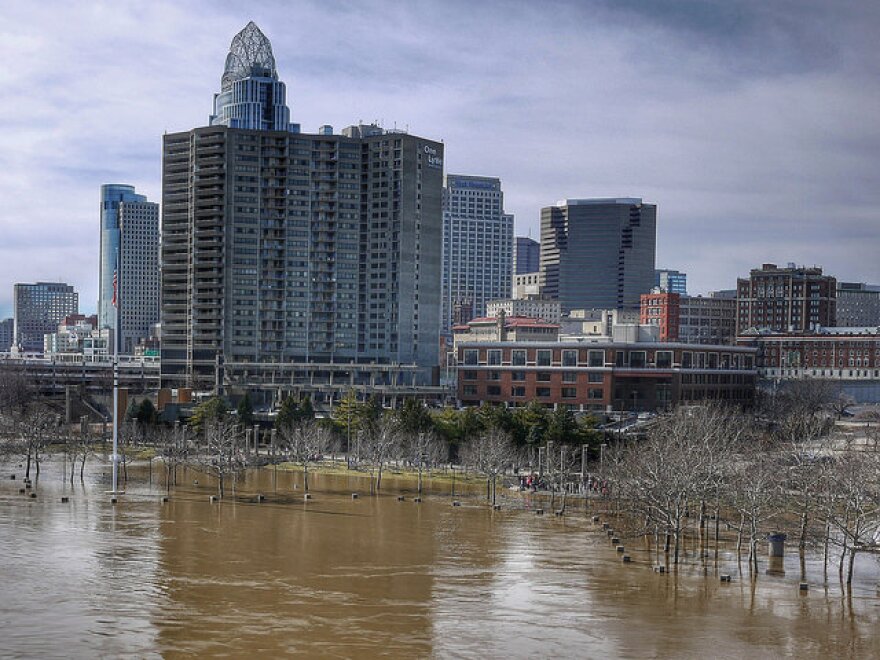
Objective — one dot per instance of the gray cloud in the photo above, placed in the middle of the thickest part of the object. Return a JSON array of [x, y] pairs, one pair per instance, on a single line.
[[751, 124]]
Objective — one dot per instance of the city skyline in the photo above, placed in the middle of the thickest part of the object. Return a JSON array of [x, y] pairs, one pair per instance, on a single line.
[[750, 127]]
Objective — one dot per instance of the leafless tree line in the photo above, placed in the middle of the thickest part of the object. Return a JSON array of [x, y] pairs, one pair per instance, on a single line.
[[702, 465]]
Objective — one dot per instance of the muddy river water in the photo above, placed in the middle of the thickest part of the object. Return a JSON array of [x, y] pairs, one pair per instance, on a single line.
[[369, 577]]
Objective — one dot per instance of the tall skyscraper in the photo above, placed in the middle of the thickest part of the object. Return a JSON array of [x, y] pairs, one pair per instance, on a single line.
[[477, 245], [671, 281], [280, 247], [38, 309], [526, 256], [598, 253], [129, 227], [251, 96]]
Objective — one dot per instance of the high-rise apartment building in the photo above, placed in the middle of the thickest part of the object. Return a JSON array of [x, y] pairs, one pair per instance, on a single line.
[[858, 305], [38, 309], [526, 256], [129, 229], [288, 248], [789, 299], [671, 281], [477, 245], [598, 253]]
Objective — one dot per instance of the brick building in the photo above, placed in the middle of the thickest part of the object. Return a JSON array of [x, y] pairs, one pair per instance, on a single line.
[[662, 310], [691, 319], [790, 299], [603, 375], [838, 353]]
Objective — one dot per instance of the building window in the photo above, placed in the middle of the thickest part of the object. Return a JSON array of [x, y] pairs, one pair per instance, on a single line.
[[518, 375], [469, 375], [663, 359], [543, 357], [596, 378], [543, 377], [471, 355], [518, 357], [713, 360], [494, 375], [542, 392], [637, 359], [569, 377], [493, 390], [569, 392], [518, 390], [596, 358], [596, 393], [470, 390], [569, 358], [494, 356]]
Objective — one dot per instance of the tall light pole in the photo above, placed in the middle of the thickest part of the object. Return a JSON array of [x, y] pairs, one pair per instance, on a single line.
[[116, 337]]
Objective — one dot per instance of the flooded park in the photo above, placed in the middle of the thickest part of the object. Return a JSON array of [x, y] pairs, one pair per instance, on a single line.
[[338, 576]]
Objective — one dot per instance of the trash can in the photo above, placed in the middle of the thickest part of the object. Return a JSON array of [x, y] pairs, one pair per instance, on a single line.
[[776, 543]]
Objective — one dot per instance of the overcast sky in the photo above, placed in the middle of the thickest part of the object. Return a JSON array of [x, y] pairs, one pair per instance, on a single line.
[[754, 126]]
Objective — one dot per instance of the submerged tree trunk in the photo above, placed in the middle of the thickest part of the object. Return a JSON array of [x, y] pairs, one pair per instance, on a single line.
[[825, 553], [717, 528], [739, 538]]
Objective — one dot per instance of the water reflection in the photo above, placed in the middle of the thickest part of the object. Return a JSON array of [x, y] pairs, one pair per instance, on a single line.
[[337, 577]]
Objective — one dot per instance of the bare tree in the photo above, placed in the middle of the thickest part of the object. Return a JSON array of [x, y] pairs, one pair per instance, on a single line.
[[853, 504], [381, 443], [35, 429], [173, 447], [489, 454], [305, 443], [222, 454], [756, 497], [422, 450]]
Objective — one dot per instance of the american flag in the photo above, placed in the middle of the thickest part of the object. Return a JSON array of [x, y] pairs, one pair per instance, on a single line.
[[115, 282]]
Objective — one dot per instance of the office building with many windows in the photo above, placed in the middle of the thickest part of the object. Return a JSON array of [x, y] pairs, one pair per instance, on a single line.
[[671, 281], [598, 253], [7, 332], [38, 309], [129, 234], [477, 245], [526, 256], [858, 304]]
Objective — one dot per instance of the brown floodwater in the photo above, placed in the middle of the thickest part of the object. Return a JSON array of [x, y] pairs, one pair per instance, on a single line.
[[336, 577]]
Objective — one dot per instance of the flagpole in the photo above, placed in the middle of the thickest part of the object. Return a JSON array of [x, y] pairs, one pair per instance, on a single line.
[[116, 336]]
